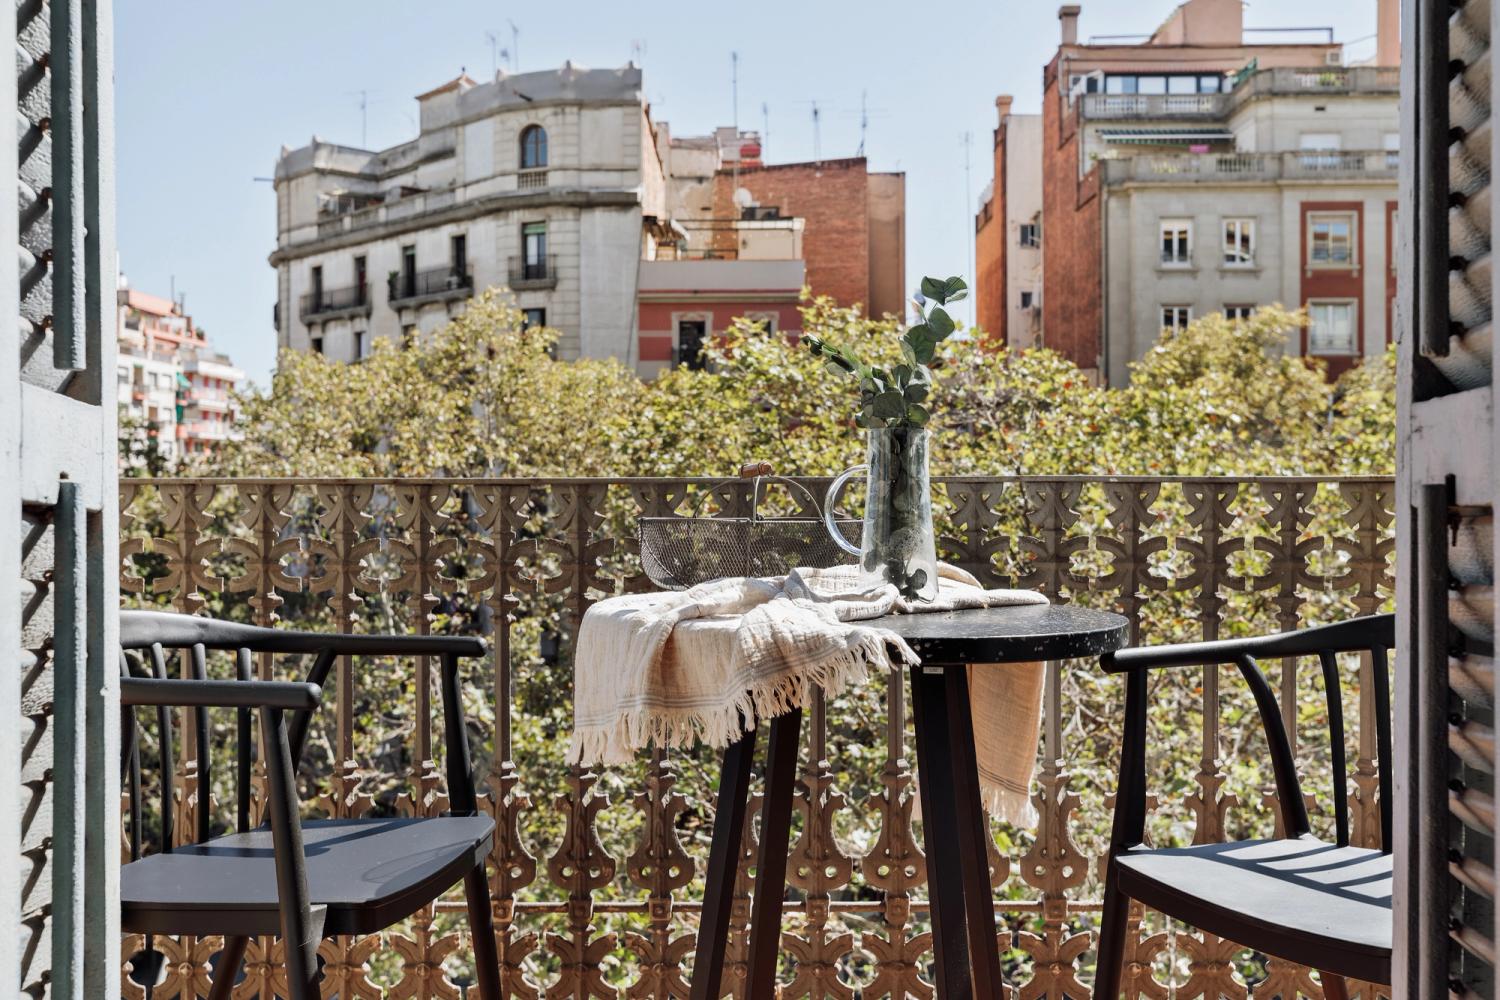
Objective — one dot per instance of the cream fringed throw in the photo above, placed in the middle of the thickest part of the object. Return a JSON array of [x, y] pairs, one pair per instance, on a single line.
[[675, 668]]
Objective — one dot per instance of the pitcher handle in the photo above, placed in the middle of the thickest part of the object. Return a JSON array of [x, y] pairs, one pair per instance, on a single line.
[[832, 496]]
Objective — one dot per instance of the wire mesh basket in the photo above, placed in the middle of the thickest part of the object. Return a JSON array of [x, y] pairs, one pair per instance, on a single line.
[[681, 552]]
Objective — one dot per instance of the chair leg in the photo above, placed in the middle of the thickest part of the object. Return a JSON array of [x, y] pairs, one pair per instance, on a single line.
[[228, 968], [770, 863], [1112, 930], [1334, 987], [482, 930]]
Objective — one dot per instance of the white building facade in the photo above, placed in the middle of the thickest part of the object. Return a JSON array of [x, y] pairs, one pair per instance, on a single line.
[[1280, 191], [539, 182]]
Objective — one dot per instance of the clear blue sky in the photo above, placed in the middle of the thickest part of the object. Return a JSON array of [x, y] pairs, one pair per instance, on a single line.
[[206, 94]]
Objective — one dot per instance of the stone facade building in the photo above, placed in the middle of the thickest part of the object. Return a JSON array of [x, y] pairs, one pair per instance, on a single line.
[[1200, 172], [558, 186]]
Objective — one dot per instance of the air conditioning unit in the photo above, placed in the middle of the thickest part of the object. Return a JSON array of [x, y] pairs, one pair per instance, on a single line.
[[1334, 57]]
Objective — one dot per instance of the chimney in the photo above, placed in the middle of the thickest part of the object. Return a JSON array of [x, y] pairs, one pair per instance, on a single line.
[[1068, 16], [1387, 32], [1002, 103]]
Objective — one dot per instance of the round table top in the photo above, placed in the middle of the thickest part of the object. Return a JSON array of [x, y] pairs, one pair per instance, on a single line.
[[1014, 634]]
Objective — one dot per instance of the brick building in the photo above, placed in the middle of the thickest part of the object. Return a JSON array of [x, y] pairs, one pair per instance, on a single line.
[[1200, 171], [1007, 233]]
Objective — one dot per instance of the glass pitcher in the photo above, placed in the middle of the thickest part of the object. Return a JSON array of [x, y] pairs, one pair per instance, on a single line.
[[896, 544]]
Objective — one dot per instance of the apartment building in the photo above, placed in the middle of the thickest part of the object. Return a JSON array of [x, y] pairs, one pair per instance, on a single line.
[[557, 185], [1199, 170], [171, 379], [1008, 245]]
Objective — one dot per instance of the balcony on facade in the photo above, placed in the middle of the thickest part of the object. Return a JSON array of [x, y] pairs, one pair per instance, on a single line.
[[438, 284], [764, 236], [1280, 81], [335, 303], [528, 275], [1300, 165]]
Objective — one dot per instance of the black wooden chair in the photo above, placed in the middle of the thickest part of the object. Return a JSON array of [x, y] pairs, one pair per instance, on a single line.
[[301, 880], [1296, 897]]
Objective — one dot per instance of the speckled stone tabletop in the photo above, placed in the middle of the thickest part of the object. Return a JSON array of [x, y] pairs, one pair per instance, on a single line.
[[1009, 635]]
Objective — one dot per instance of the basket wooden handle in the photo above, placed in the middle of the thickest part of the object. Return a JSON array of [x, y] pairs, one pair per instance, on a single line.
[[752, 469]]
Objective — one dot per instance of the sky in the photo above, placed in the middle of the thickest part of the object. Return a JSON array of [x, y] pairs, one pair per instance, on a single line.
[[207, 93]]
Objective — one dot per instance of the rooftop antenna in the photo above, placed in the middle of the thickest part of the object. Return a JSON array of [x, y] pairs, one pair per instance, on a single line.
[[364, 118], [817, 134], [638, 50], [494, 52], [864, 120], [515, 46], [734, 91], [765, 127]]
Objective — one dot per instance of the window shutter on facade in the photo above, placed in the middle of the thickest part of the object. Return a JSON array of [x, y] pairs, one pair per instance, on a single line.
[[59, 564], [1445, 887]]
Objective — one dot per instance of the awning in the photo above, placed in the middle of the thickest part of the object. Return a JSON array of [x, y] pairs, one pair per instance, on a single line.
[[1165, 136]]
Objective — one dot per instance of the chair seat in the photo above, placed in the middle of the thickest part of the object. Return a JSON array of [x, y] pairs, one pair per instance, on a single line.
[[369, 873], [1303, 900]]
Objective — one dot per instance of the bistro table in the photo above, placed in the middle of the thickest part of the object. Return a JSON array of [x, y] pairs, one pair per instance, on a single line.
[[954, 824], [958, 881]]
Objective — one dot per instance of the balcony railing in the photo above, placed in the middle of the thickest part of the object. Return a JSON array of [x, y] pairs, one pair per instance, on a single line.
[[596, 875], [1279, 81], [529, 274], [431, 285], [534, 179], [353, 299], [1222, 167]]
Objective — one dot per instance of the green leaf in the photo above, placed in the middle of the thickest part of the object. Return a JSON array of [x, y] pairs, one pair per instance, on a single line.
[[955, 289], [920, 330], [836, 367], [917, 416], [903, 374], [940, 323], [917, 580], [909, 353], [924, 350], [917, 391], [889, 405], [934, 288]]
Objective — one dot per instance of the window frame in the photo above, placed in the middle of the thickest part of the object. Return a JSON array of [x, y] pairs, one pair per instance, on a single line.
[[1344, 215], [1029, 235], [1185, 225], [1183, 315], [1352, 305], [1239, 311], [526, 317], [533, 143], [1241, 225]]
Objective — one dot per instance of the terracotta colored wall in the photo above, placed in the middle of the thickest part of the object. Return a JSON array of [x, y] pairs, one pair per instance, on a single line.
[[658, 329], [887, 201], [1072, 283], [989, 256], [833, 196], [1336, 283]]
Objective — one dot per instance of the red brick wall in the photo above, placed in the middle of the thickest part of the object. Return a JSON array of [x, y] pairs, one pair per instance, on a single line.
[[1336, 283], [990, 292], [658, 329], [833, 196], [1072, 285]]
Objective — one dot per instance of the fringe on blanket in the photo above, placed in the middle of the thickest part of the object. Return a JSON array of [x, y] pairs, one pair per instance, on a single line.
[[722, 726]]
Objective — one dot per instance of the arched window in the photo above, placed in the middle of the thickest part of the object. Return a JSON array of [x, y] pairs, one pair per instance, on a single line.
[[533, 147]]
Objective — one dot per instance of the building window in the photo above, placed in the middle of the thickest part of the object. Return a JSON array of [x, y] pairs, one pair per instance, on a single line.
[[1330, 329], [361, 344], [1025, 300], [1238, 312], [361, 276], [317, 345], [317, 286], [1330, 239], [1031, 234], [533, 318], [534, 250], [458, 253], [533, 147], [408, 273], [1239, 242], [1175, 319], [690, 336], [1176, 242]]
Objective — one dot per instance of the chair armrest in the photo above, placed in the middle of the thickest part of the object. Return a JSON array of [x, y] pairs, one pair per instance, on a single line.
[[174, 692], [142, 629], [1340, 637]]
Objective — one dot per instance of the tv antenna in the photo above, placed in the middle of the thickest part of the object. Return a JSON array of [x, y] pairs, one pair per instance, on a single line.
[[494, 52], [866, 113], [734, 90], [817, 133], [515, 46], [364, 115], [638, 50], [765, 126]]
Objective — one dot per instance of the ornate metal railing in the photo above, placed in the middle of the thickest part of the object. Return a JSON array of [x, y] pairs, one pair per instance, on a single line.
[[597, 875]]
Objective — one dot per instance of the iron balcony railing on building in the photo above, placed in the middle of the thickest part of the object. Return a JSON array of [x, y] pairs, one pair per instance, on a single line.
[[532, 179], [597, 874], [1280, 81], [353, 299], [433, 284], [1173, 168], [531, 273]]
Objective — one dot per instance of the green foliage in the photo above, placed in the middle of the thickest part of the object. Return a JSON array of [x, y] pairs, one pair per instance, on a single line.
[[898, 397]]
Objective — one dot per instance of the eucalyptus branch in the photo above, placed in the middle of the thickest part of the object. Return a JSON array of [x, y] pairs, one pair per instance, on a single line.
[[899, 397]]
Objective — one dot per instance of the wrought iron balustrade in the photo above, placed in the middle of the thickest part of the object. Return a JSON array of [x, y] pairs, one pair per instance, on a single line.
[[594, 871], [437, 282], [330, 300]]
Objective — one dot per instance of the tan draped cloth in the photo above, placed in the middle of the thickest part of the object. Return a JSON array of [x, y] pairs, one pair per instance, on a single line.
[[675, 668]]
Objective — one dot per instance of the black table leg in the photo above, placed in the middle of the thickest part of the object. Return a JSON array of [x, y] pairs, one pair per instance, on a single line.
[[770, 862], [723, 861], [935, 783], [973, 830]]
